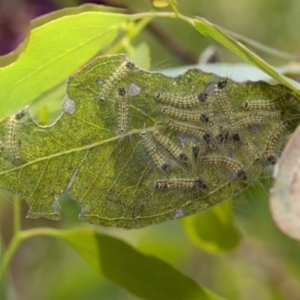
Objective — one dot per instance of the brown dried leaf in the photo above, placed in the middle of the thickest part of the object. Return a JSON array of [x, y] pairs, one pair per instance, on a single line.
[[285, 194]]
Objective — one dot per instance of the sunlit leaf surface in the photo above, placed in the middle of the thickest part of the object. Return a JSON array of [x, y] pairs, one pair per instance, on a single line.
[[137, 148], [53, 51]]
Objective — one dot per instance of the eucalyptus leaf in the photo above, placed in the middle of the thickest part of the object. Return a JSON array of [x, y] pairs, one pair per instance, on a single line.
[[54, 50], [143, 275], [213, 230], [8, 59], [137, 148], [209, 29]]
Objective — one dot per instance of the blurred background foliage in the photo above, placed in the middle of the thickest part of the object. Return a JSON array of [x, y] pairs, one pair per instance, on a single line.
[[264, 265]]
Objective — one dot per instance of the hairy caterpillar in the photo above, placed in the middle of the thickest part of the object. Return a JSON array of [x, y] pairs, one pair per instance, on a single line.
[[157, 148]]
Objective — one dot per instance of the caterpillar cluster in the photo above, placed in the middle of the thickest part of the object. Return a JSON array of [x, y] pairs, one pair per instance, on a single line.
[[228, 140], [188, 142], [211, 128]]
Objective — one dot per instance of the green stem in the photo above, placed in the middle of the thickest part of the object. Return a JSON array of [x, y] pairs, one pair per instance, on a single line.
[[237, 36], [174, 8], [16, 240], [10, 252], [152, 15], [30, 233], [129, 37], [260, 46], [162, 15], [17, 215]]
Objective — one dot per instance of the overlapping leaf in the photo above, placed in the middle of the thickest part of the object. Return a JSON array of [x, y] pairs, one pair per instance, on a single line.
[[142, 275], [55, 50]]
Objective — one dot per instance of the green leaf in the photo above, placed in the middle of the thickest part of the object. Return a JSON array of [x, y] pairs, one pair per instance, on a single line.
[[209, 29], [160, 3], [137, 148], [51, 100], [142, 275], [55, 50], [213, 230], [140, 55], [71, 11], [11, 57]]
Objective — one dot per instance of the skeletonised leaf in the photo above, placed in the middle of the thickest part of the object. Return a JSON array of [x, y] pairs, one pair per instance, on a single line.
[[137, 148]]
